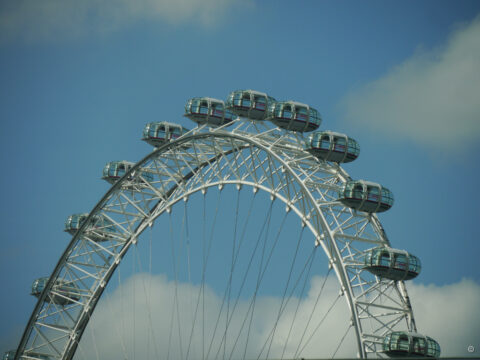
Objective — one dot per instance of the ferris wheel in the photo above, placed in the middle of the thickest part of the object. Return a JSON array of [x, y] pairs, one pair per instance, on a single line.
[[239, 282]]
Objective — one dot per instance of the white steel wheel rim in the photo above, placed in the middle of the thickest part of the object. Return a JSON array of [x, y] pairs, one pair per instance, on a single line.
[[252, 154]]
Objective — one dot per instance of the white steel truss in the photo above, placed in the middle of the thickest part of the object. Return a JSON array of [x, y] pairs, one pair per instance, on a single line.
[[250, 154]]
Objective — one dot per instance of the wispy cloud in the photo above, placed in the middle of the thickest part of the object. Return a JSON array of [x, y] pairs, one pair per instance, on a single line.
[[447, 313], [431, 98], [33, 20]]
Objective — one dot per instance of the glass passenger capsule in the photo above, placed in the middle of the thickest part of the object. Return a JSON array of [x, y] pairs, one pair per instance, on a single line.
[[366, 196], [209, 111], [249, 103], [332, 146], [392, 264], [294, 116], [100, 229], [409, 344], [114, 170], [9, 355], [66, 293], [74, 222], [158, 133]]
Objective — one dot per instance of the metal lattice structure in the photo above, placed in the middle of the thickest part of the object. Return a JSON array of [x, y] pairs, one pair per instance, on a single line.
[[247, 153]]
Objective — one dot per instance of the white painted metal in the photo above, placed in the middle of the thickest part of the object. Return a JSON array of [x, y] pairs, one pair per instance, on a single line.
[[252, 154]]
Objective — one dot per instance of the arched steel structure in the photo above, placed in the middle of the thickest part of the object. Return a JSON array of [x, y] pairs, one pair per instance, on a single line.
[[248, 153]]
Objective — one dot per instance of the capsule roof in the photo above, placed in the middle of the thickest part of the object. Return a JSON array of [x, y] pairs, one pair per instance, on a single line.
[[366, 196], [294, 116], [332, 146]]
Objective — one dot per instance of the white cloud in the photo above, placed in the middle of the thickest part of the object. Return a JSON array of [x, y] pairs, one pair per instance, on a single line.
[[447, 313], [431, 98], [34, 20]]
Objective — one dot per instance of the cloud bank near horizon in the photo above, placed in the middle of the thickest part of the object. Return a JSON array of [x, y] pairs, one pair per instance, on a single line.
[[431, 98], [51, 20], [447, 313]]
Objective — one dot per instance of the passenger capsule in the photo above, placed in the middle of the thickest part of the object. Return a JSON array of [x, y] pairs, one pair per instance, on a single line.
[[100, 228], [114, 170], [66, 293], [294, 116], [159, 133], [392, 264], [74, 222], [366, 196], [332, 146], [409, 344], [208, 111], [249, 103], [9, 355]]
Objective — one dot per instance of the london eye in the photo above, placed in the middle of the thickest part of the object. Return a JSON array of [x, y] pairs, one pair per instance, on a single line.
[[252, 202]]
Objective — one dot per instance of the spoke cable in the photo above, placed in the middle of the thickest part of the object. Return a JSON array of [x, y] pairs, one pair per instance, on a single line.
[[259, 278], [311, 314], [341, 341], [244, 276], [319, 324], [206, 255], [232, 267], [175, 298], [149, 308], [308, 263], [280, 310]]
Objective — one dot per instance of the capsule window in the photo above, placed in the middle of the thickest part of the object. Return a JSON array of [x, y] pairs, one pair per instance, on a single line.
[[433, 349], [385, 259], [351, 145], [373, 194], [237, 99], [202, 108], [217, 110], [419, 345], [301, 113], [151, 131], [195, 106], [246, 100], [358, 192], [339, 144], [325, 142], [260, 102], [401, 261], [381, 258], [401, 342], [387, 197], [414, 264]]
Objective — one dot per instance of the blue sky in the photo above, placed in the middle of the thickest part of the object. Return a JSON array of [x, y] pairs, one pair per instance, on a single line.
[[79, 81]]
